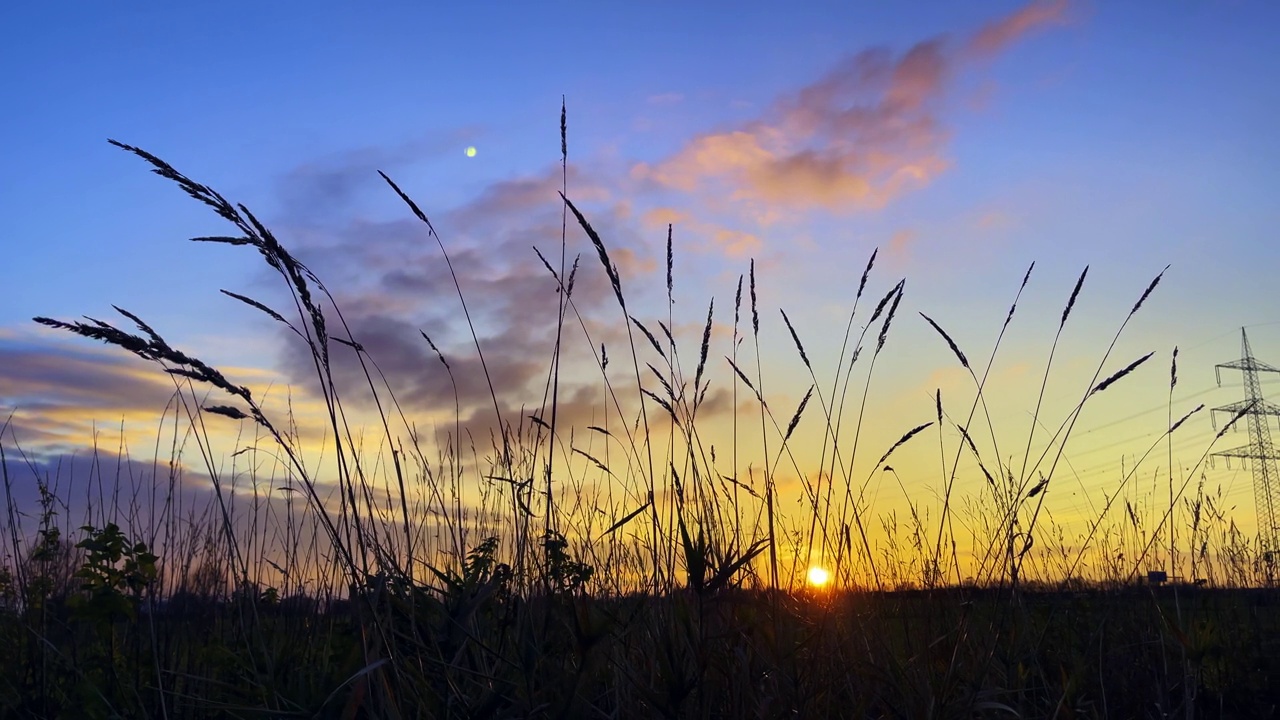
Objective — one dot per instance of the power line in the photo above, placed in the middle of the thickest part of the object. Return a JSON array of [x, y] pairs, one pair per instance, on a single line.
[[1259, 453]]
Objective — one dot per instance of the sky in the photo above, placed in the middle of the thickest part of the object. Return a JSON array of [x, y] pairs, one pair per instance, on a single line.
[[964, 141]]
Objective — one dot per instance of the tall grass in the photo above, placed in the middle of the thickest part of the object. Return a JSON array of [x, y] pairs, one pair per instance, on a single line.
[[630, 574]]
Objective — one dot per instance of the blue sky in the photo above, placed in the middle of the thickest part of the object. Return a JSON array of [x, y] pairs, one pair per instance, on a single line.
[[965, 140], [1125, 131]]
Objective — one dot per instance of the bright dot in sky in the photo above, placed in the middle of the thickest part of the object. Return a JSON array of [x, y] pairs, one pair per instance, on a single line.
[[818, 577], [471, 151]]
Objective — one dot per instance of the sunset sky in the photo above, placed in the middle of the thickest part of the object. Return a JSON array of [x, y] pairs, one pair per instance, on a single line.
[[963, 140]]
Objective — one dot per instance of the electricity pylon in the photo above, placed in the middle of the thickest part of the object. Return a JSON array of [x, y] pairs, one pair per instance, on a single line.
[[1259, 452]]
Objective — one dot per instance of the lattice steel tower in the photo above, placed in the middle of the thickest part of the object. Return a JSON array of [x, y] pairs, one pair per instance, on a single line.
[[1259, 452]]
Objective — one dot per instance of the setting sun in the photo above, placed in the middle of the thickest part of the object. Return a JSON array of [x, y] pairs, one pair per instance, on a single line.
[[818, 577]]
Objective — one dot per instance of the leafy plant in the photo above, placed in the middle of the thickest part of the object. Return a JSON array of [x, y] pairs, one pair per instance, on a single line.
[[563, 572], [115, 572]]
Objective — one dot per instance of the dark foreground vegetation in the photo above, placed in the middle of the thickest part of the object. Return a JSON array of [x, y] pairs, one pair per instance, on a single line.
[[376, 572], [480, 650]]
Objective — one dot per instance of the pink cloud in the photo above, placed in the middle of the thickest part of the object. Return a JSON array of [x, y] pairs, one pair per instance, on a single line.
[[994, 220], [860, 136], [737, 244], [660, 217], [900, 243], [996, 36]]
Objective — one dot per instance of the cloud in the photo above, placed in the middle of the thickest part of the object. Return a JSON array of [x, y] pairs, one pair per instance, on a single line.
[[994, 220], [865, 133], [392, 285], [703, 236], [57, 391], [170, 506], [89, 424], [736, 243], [330, 186], [395, 285], [859, 136], [59, 394], [900, 243], [995, 36], [70, 372], [660, 217], [668, 98]]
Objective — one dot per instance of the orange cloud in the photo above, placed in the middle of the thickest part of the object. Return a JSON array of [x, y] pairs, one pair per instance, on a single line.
[[994, 220], [857, 138], [663, 216], [737, 244], [727, 153], [631, 264], [732, 242], [900, 243]]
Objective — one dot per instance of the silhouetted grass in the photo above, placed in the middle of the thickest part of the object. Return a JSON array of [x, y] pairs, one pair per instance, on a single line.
[[651, 578]]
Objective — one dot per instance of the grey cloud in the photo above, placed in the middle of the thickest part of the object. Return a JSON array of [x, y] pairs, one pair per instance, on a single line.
[[391, 281], [72, 373]]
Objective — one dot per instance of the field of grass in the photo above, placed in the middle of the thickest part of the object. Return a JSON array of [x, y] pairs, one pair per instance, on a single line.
[[412, 577]]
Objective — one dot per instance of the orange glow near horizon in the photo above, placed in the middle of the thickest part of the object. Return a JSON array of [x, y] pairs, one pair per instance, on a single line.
[[818, 577]]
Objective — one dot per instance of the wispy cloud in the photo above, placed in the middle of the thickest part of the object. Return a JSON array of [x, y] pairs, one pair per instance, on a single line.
[[332, 186], [865, 133], [900, 244], [995, 36], [668, 98], [40, 370], [57, 391], [716, 238]]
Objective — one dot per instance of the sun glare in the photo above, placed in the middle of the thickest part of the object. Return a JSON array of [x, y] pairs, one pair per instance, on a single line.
[[818, 577]]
